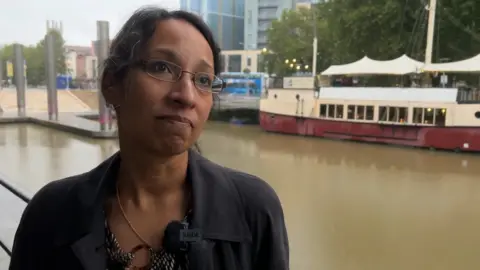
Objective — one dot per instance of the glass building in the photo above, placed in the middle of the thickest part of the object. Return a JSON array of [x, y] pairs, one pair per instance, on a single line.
[[225, 18]]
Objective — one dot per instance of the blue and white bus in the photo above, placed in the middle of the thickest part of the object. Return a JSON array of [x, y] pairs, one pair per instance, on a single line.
[[245, 84]]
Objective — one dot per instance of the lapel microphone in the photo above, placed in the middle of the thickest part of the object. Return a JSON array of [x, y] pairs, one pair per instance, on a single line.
[[178, 237]]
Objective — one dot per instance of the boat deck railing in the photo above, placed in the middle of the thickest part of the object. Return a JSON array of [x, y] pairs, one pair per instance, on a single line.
[[20, 195], [468, 96]]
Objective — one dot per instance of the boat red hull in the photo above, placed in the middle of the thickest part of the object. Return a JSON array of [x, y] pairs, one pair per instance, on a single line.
[[449, 138]]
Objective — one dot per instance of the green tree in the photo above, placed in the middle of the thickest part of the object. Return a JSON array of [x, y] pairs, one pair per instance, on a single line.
[[381, 29], [291, 38], [35, 58]]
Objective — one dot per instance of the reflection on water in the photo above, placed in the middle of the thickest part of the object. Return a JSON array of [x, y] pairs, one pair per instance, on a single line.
[[31, 156], [347, 205]]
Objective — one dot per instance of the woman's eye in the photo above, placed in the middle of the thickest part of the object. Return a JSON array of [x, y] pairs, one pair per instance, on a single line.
[[204, 80], [158, 67]]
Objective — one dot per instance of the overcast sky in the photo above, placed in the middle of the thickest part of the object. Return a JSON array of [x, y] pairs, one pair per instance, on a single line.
[[24, 21]]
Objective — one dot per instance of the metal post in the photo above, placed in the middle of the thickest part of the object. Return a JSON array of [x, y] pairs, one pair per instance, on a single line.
[[103, 37], [51, 76], [19, 74], [315, 39], [2, 64], [430, 31]]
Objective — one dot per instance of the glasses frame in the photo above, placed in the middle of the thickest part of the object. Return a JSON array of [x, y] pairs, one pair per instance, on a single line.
[[144, 63]]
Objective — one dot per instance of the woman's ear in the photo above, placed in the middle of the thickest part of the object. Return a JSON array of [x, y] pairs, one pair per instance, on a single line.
[[110, 90]]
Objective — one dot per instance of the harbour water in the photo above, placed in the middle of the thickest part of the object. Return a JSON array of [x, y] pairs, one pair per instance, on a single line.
[[348, 206]]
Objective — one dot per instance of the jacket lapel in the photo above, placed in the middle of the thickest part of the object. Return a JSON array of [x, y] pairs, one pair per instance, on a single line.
[[88, 235], [90, 255]]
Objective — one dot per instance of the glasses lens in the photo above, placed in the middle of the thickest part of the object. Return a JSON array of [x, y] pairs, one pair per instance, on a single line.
[[163, 70], [208, 82]]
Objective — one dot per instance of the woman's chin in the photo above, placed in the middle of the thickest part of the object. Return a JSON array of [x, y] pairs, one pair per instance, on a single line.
[[172, 146]]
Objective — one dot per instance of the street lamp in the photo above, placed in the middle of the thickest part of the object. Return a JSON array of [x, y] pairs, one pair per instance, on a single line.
[[286, 61]]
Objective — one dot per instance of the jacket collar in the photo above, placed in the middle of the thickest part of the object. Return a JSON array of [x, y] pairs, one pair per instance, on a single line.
[[217, 210]]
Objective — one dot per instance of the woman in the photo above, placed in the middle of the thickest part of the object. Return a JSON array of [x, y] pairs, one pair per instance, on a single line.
[[160, 78]]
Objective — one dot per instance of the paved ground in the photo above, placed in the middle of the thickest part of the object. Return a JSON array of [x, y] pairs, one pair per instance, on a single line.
[[88, 97], [36, 101]]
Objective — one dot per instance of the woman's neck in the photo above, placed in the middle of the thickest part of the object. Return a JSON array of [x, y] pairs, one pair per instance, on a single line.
[[143, 177]]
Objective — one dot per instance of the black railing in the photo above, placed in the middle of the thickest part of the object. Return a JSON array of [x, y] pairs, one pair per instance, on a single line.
[[20, 195]]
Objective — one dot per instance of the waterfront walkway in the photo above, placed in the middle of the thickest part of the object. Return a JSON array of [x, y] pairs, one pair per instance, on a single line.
[[36, 101]]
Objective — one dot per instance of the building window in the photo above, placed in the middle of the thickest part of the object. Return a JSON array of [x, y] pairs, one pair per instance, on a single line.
[[430, 116], [393, 114]]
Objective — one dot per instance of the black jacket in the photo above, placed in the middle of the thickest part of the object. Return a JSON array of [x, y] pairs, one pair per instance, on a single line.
[[239, 215]]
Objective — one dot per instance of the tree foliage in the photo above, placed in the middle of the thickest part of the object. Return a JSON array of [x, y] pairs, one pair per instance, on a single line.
[[35, 59], [347, 30]]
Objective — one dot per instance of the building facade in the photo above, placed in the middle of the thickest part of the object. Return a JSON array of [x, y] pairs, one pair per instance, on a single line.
[[225, 18], [259, 15]]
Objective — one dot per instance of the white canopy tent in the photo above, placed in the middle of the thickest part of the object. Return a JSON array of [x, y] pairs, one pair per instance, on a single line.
[[351, 68], [471, 65], [366, 66]]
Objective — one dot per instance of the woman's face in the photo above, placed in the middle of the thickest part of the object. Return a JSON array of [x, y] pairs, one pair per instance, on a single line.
[[162, 108]]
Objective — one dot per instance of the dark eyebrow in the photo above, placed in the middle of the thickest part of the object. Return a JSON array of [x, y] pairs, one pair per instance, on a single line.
[[172, 56], [204, 63]]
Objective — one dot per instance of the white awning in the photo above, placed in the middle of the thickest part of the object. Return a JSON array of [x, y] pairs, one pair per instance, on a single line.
[[366, 66], [471, 65]]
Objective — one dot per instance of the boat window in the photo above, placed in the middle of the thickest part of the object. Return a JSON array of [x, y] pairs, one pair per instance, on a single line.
[[351, 112], [360, 113], [369, 113], [402, 114], [383, 113], [417, 115], [339, 111], [439, 118], [393, 114], [323, 110], [428, 116], [331, 111]]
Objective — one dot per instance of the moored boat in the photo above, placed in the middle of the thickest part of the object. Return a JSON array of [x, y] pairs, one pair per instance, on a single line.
[[440, 118], [446, 116]]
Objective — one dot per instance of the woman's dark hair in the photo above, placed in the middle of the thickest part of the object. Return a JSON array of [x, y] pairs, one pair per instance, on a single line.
[[133, 37], [131, 40]]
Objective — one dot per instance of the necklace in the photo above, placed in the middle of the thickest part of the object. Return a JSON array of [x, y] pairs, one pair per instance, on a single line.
[[130, 224], [127, 220]]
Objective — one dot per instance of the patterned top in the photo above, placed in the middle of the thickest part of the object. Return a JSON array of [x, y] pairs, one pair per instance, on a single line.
[[118, 259]]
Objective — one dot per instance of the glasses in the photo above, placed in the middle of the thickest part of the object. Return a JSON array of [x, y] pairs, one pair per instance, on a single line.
[[170, 72]]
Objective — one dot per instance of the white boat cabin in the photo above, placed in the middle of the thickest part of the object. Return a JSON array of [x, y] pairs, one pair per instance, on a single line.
[[405, 106]]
